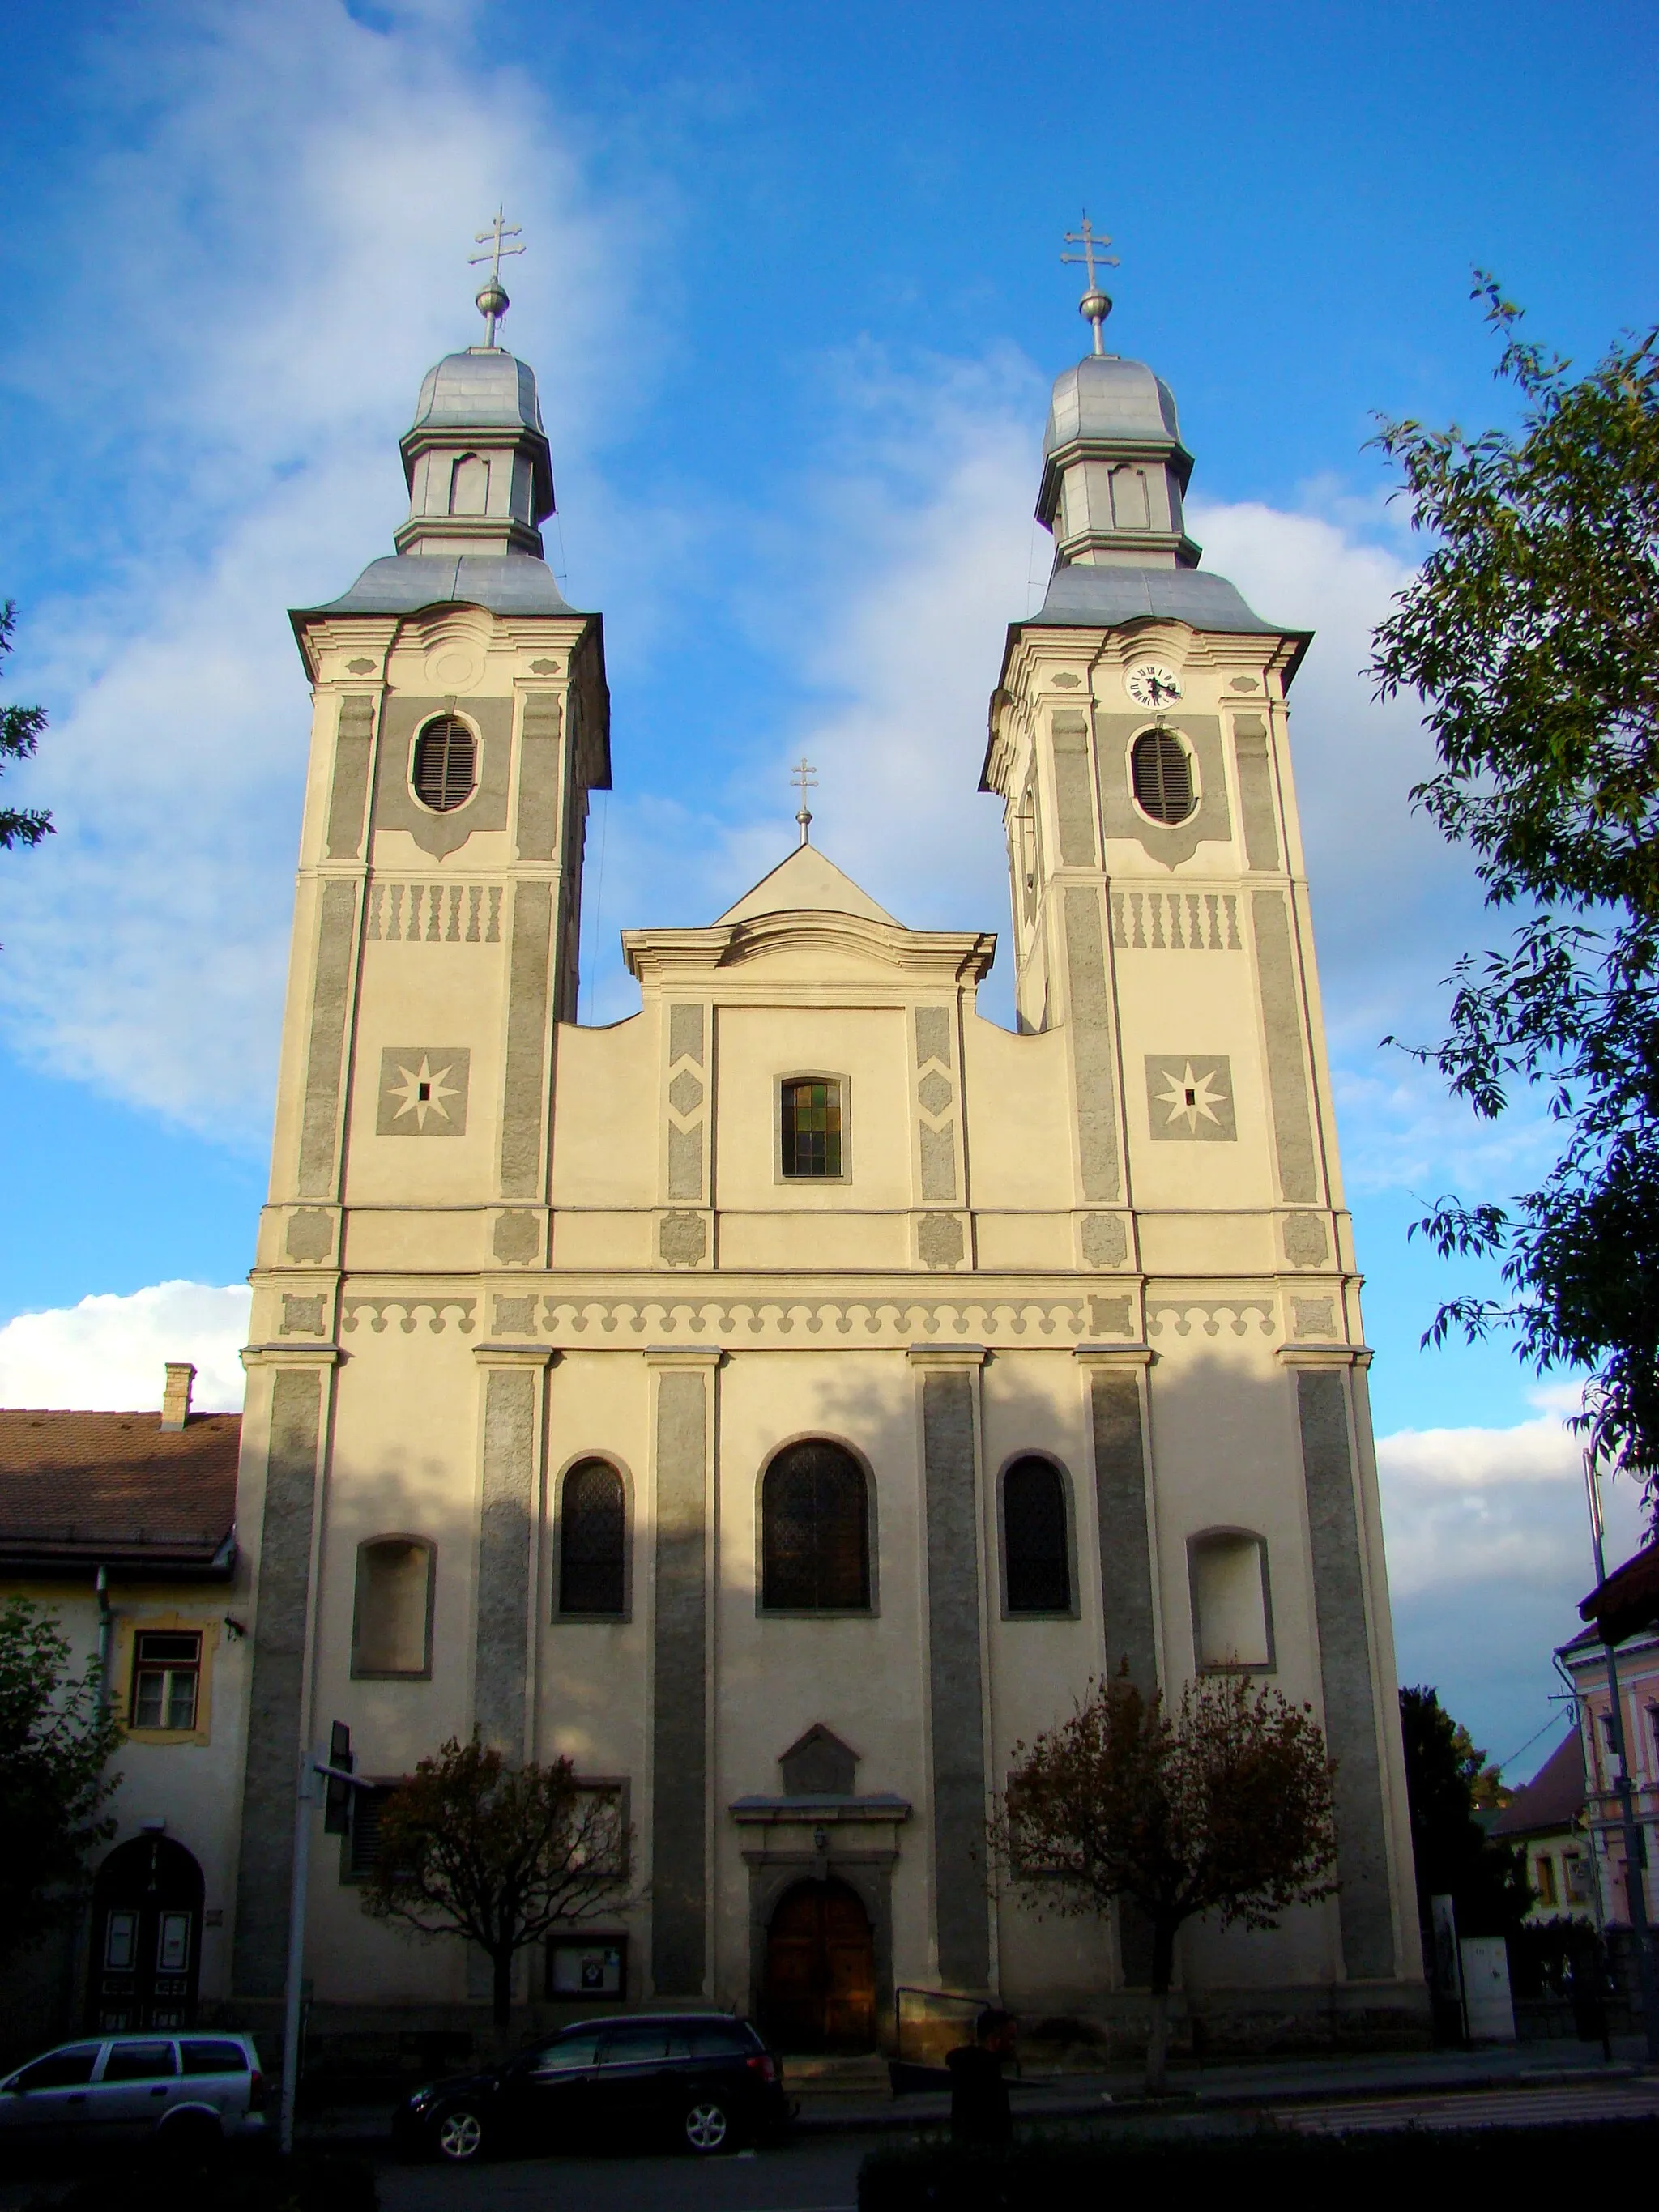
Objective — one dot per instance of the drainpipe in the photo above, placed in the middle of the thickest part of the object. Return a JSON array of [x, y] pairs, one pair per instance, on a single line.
[[105, 1618]]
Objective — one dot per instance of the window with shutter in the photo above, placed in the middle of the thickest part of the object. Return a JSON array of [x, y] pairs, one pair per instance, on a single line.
[[1162, 776], [446, 766]]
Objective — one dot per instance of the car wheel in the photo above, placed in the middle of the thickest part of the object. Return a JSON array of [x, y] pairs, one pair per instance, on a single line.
[[460, 2135], [192, 2135], [707, 2127]]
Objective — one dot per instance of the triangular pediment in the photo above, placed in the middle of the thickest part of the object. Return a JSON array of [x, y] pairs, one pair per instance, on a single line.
[[806, 883]]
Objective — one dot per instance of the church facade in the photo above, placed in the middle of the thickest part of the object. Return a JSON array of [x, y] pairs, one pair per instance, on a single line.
[[784, 1401]]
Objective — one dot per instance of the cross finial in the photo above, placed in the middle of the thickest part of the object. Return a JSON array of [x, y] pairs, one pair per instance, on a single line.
[[493, 302], [1094, 306], [804, 776]]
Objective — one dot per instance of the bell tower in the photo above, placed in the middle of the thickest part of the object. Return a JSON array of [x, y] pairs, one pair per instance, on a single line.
[[459, 719]]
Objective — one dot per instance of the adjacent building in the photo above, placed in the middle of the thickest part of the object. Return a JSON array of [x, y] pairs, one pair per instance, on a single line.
[[122, 1527]]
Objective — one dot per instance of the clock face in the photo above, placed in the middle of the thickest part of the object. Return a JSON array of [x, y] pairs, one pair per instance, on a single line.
[[1150, 685]]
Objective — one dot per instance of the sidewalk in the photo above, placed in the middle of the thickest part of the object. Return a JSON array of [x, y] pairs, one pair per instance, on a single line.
[[1218, 2089]]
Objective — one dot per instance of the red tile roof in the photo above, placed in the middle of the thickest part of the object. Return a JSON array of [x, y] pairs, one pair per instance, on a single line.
[[79, 1489], [1552, 1799]]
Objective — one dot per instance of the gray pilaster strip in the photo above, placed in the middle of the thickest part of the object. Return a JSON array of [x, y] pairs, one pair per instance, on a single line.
[[1093, 1054], [955, 1688], [503, 1619], [932, 1034], [524, 1108], [939, 1161], [685, 1034], [679, 1876], [1281, 1021], [1344, 1664], [1126, 1553], [538, 777], [320, 1123], [1256, 793], [266, 1863], [685, 1162], [345, 805], [1074, 798]]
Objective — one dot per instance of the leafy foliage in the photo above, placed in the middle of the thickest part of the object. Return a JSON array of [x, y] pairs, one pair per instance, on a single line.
[[20, 733], [1223, 1806], [1532, 634], [56, 1742], [1447, 1782], [499, 1855]]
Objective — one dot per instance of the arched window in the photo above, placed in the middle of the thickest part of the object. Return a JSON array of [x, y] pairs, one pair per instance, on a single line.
[[593, 1541], [446, 764], [1163, 776], [469, 485], [1036, 1556], [393, 1631], [1232, 1610], [815, 1531]]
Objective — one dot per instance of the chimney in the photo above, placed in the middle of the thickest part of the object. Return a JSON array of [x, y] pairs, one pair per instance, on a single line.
[[175, 1397]]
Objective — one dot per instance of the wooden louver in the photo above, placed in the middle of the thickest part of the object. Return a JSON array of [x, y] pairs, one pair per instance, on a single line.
[[1162, 776], [446, 764]]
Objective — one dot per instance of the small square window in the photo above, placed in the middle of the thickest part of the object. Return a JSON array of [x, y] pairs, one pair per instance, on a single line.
[[167, 1679], [811, 1125]]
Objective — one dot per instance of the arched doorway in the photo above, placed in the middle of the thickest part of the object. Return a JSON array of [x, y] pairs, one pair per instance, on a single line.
[[146, 1937], [821, 1971]]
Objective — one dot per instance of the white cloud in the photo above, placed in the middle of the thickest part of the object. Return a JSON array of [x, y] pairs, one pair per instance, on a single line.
[[107, 1354], [286, 236], [1489, 1554]]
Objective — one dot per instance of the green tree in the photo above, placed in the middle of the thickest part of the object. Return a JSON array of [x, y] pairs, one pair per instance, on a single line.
[[498, 1855], [56, 1743], [20, 733], [1448, 1782], [1223, 1807], [1531, 634]]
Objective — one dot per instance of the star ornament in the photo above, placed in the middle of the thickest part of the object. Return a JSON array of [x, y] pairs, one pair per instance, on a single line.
[[1191, 1098], [423, 1091]]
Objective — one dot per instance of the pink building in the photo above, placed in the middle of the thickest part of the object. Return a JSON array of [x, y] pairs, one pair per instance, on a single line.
[[1585, 1660]]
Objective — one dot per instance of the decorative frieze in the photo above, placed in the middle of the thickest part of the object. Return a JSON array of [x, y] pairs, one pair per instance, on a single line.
[[1176, 922], [433, 913]]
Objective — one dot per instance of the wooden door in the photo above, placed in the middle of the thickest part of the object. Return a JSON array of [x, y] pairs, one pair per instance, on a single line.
[[146, 1937], [821, 1971]]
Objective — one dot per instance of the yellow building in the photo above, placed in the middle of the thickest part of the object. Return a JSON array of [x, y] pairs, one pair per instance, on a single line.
[[784, 1399]]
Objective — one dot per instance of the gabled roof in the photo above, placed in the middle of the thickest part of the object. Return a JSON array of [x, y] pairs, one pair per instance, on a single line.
[[1552, 1799], [805, 882], [1628, 1602], [79, 1491]]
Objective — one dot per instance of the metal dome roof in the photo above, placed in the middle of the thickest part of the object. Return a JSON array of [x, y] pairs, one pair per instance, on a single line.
[[481, 389], [1106, 397]]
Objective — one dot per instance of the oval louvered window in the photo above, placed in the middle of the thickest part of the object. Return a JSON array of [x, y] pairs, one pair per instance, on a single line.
[[1162, 776], [446, 764]]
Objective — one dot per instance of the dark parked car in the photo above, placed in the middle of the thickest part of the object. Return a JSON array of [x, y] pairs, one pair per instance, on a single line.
[[701, 2078]]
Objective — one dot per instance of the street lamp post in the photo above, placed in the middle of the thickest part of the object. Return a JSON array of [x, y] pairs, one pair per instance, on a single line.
[[1635, 1842]]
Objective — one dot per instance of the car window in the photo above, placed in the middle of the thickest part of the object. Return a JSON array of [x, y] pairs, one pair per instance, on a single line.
[[635, 2045], [567, 2056], [722, 2041], [61, 2069], [213, 2058], [139, 2061]]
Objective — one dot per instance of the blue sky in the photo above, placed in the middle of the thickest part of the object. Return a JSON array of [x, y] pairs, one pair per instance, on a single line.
[[794, 296]]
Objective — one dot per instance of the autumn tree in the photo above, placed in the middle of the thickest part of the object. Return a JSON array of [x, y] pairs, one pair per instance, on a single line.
[[1531, 634], [1222, 1806], [56, 1742], [499, 1855]]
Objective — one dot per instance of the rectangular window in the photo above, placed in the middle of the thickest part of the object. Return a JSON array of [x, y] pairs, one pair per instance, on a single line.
[[811, 1129], [167, 1678], [1544, 1879]]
